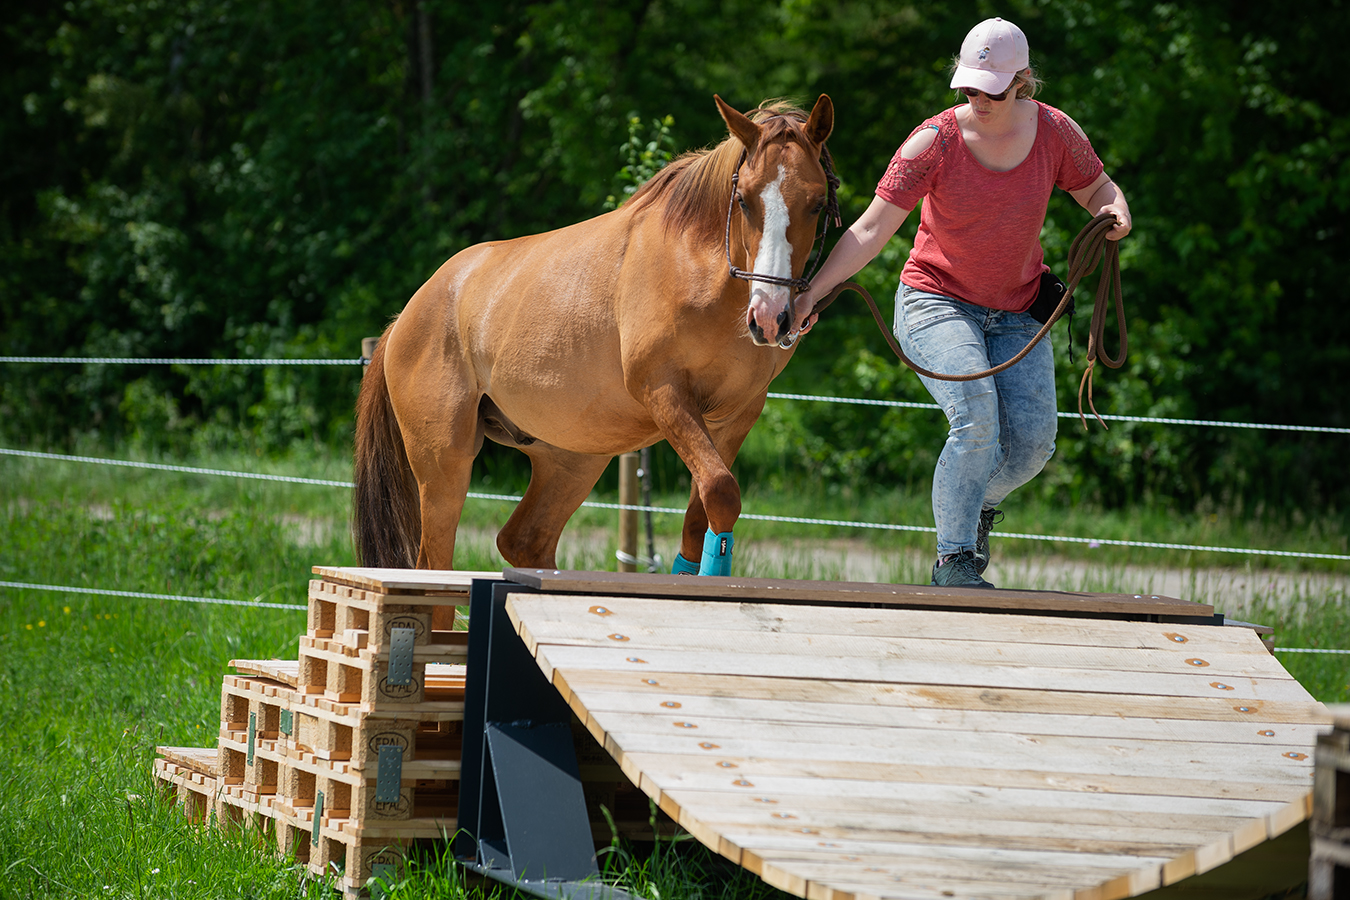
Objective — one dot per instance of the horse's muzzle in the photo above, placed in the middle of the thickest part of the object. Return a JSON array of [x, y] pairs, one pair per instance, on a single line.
[[781, 336]]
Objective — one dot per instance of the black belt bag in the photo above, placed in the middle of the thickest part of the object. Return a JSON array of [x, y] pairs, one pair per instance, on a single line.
[[1048, 297]]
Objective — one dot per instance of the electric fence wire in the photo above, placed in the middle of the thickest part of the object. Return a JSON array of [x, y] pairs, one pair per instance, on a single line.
[[858, 401], [1157, 420], [141, 595], [594, 504], [65, 589], [166, 361], [193, 470]]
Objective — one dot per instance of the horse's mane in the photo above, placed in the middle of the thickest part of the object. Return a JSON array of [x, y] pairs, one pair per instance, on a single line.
[[695, 186]]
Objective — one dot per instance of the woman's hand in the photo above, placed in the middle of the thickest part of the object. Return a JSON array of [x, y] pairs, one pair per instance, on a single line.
[[855, 248], [802, 316], [1104, 196], [1121, 211]]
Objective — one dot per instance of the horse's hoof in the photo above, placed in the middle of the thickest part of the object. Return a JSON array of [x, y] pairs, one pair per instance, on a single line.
[[683, 566], [716, 553]]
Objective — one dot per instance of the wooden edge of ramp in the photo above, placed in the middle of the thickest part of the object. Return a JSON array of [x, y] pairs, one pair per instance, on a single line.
[[778, 590]]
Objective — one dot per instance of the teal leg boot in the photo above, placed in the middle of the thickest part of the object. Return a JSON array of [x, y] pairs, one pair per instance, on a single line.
[[716, 554], [683, 566]]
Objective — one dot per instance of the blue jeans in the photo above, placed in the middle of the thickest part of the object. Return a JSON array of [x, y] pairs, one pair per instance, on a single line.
[[1002, 428]]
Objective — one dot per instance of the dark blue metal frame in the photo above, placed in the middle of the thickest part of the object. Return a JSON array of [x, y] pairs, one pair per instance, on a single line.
[[522, 813]]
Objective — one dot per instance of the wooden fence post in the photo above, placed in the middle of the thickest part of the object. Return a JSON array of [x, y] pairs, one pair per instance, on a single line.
[[629, 495]]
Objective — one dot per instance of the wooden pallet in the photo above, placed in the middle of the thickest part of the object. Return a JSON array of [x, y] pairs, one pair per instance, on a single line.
[[345, 654], [1329, 868], [305, 734], [905, 751], [346, 848]]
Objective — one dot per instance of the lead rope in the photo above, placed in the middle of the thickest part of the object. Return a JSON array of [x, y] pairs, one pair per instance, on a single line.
[[1087, 249], [1091, 245]]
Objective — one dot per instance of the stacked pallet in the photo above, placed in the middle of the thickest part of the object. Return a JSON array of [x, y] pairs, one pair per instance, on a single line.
[[1329, 866], [351, 752]]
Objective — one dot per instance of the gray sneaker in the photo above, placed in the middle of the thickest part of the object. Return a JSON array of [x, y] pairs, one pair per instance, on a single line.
[[988, 519], [960, 570]]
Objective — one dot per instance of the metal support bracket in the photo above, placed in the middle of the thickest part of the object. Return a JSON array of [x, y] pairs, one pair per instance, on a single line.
[[318, 816], [389, 774], [522, 813], [286, 722], [401, 641], [252, 735]]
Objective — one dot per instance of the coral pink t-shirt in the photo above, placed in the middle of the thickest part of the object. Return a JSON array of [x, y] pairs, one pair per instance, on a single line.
[[979, 237]]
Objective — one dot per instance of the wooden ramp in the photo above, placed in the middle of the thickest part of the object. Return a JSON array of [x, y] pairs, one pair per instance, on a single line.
[[847, 741]]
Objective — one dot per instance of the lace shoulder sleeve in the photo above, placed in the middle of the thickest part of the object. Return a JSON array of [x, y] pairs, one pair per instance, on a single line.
[[907, 180], [1082, 166]]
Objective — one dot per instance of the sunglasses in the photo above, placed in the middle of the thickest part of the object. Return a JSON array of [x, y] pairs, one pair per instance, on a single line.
[[975, 92]]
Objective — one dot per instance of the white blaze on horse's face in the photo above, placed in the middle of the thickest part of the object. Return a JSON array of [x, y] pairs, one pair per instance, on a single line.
[[768, 302]]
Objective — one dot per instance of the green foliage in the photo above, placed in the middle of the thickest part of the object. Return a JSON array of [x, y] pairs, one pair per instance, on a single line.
[[644, 155], [219, 179]]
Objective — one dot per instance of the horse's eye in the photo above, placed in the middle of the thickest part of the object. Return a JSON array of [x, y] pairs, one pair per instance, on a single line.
[[815, 210], [741, 200]]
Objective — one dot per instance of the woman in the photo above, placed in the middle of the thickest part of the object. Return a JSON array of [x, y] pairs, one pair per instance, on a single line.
[[985, 170]]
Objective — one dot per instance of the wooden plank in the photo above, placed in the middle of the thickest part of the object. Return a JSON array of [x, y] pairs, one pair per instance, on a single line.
[[852, 874], [844, 882], [1254, 662], [892, 696], [924, 885], [554, 616], [1052, 755], [1097, 724], [771, 844], [1163, 684], [283, 671], [776, 590], [286, 671], [935, 742], [960, 804], [778, 779], [871, 868], [203, 760], [969, 830], [414, 581]]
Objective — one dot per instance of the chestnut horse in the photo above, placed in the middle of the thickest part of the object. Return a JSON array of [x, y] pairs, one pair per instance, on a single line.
[[596, 339]]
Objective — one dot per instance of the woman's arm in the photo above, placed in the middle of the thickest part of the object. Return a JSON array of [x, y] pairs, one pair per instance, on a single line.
[[1104, 196]]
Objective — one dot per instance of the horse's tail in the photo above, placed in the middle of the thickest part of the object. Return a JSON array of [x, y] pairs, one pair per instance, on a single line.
[[386, 512]]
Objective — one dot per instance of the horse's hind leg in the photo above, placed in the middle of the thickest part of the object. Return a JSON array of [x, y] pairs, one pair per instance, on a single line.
[[441, 451], [559, 481]]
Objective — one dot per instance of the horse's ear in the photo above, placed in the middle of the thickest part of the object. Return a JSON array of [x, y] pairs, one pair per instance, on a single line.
[[821, 122], [739, 125]]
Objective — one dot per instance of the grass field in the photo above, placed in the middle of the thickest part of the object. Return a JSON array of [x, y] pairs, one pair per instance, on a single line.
[[90, 684]]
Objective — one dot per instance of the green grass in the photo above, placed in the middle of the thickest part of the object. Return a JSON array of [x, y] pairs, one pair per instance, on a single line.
[[90, 684]]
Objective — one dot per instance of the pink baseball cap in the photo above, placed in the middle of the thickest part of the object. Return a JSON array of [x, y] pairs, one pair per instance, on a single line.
[[991, 56]]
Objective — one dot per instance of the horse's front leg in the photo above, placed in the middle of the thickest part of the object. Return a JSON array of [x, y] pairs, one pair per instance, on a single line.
[[691, 537], [715, 497]]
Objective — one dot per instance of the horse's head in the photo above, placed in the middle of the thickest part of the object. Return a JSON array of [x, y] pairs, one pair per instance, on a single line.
[[780, 191]]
